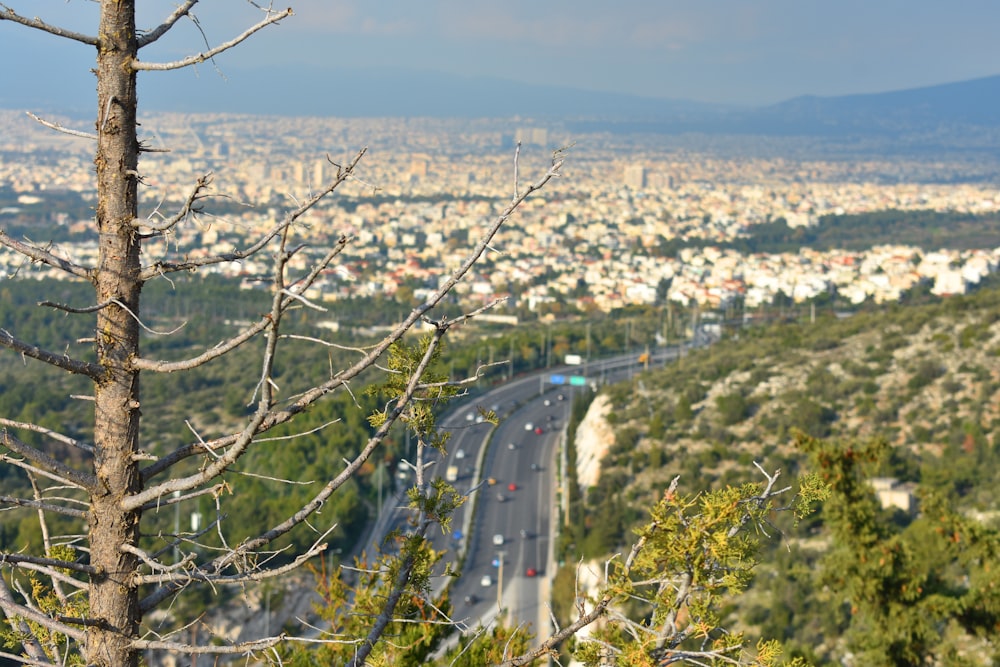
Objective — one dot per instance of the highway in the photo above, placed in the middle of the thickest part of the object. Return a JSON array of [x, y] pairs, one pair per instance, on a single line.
[[519, 566], [501, 540]]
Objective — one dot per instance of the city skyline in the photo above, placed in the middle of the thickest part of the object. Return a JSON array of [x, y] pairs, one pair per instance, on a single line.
[[726, 52]]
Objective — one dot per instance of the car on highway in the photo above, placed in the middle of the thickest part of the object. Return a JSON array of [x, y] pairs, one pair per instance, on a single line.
[[547, 402], [530, 572], [486, 581], [501, 497], [460, 454], [560, 397], [512, 487], [511, 446], [539, 430], [498, 540], [536, 467], [528, 426]]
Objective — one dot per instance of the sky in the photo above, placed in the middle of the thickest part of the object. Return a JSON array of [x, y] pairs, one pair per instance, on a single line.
[[744, 52]]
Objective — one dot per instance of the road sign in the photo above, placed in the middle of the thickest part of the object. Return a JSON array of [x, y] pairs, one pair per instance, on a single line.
[[577, 380], [557, 379]]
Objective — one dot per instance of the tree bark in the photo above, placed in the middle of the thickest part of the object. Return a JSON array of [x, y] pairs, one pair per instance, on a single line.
[[113, 593]]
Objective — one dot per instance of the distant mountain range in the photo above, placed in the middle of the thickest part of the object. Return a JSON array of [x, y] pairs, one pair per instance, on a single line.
[[968, 106]]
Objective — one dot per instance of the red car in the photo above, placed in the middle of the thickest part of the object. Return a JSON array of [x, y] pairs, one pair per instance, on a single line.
[[512, 487], [530, 572], [539, 430]]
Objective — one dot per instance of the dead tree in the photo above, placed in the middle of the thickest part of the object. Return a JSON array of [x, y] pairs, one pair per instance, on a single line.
[[110, 569]]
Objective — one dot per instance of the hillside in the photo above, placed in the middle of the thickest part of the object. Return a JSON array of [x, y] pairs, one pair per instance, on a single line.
[[924, 378]]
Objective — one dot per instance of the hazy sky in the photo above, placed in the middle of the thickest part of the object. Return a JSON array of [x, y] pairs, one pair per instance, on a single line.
[[735, 51]]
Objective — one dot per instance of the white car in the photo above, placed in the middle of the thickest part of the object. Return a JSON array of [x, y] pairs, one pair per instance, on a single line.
[[486, 581], [498, 540], [528, 426], [460, 454]]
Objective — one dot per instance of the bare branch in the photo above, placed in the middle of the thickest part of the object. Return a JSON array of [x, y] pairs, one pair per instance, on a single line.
[[186, 209], [93, 371], [160, 30], [8, 14], [42, 506], [138, 65], [231, 649], [317, 502], [276, 417], [20, 659], [58, 437], [55, 574], [77, 311], [81, 479], [240, 577], [37, 254], [28, 640], [16, 559], [343, 173], [154, 564], [59, 128], [214, 353]]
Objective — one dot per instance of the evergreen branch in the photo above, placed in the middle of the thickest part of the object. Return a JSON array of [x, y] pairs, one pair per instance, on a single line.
[[12, 608], [32, 647]]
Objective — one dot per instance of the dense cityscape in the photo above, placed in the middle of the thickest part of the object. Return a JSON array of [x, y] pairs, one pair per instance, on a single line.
[[427, 188]]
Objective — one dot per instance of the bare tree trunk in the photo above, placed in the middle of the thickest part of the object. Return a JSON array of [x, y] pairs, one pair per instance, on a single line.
[[113, 594]]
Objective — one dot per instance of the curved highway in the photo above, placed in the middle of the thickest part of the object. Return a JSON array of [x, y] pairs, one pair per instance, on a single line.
[[502, 539]]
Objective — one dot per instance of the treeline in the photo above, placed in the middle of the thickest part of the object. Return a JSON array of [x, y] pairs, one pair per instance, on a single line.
[[926, 229]]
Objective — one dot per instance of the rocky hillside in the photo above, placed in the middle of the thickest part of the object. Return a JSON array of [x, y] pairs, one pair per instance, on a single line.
[[926, 378]]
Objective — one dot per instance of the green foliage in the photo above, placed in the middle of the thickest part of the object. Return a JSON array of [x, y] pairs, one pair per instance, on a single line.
[[407, 364], [348, 609], [52, 602], [917, 593], [733, 408], [694, 554], [488, 647]]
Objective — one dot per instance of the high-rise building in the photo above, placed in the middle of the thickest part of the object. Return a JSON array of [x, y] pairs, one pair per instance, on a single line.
[[635, 176]]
